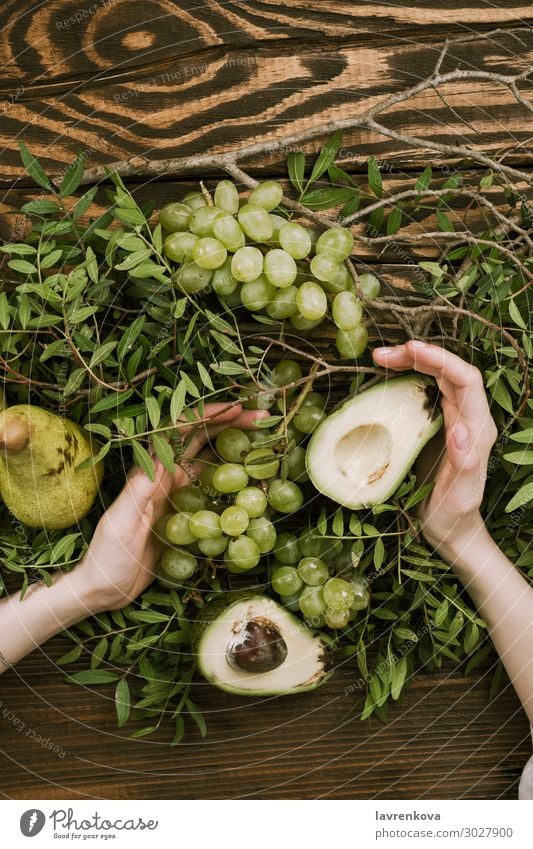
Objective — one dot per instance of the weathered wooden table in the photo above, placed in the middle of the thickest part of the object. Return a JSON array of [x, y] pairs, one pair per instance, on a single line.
[[122, 79]]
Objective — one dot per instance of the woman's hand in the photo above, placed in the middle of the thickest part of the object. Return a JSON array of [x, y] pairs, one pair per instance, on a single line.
[[451, 512], [123, 552]]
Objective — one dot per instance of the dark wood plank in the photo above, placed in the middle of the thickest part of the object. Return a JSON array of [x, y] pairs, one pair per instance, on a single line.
[[443, 742], [64, 40], [216, 103]]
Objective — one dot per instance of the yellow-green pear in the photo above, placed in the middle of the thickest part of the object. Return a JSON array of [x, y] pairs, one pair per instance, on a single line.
[[39, 452]]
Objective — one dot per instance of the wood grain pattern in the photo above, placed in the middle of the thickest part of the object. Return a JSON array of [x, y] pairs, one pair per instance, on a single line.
[[443, 742], [216, 103]]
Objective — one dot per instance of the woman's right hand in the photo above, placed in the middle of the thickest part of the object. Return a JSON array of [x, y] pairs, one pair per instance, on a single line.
[[450, 514]]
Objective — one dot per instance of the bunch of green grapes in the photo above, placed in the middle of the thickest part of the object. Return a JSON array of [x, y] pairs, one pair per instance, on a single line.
[[227, 515], [251, 255], [314, 576]]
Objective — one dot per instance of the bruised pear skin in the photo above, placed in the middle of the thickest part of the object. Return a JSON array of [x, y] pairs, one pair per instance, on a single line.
[[39, 452]]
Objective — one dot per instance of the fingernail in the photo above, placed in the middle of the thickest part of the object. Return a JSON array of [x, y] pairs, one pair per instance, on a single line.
[[417, 343], [383, 350], [461, 437]]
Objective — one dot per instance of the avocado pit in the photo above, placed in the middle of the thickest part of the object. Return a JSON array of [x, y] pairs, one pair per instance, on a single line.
[[256, 646]]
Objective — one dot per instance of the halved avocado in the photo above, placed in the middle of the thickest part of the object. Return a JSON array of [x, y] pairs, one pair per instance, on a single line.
[[360, 454], [248, 644]]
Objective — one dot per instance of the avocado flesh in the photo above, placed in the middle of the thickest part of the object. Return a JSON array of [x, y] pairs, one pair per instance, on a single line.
[[219, 624], [359, 455]]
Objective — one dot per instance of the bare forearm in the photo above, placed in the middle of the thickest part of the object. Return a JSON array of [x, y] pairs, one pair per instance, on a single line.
[[43, 612], [505, 601]]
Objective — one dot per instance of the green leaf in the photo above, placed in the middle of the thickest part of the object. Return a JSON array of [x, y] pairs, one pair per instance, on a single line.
[[70, 656], [394, 221], [164, 452], [99, 652], [424, 180], [521, 458], [398, 678], [444, 221], [514, 313], [130, 216], [122, 702], [326, 198], [296, 169], [22, 266], [379, 553], [143, 459], [338, 523], [501, 395], [93, 676], [41, 207], [523, 496], [180, 730], [153, 409], [33, 167], [374, 177], [96, 458], [197, 717], [84, 203], [326, 156], [51, 259], [177, 402], [102, 354], [523, 435], [74, 381], [205, 376], [130, 335], [73, 175], [418, 576]]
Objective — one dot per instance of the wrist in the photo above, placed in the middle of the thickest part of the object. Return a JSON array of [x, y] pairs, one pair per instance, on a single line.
[[76, 599], [465, 543]]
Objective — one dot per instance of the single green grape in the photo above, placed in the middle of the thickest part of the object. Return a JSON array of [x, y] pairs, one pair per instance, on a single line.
[[177, 529], [286, 549], [174, 217], [332, 547], [311, 602], [338, 594], [314, 399], [311, 544], [277, 223], [261, 463], [295, 239], [291, 602], [286, 581], [324, 268], [257, 294], [286, 371], [242, 554], [226, 197], [294, 465], [347, 311], [351, 343], [361, 593], [313, 571], [247, 264], [229, 232], [202, 220], [223, 282], [206, 478], [232, 444], [253, 500], [369, 286], [300, 323], [194, 200], [230, 477], [256, 400], [205, 524], [256, 222], [342, 283], [336, 618], [179, 246], [311, 301], [283, 305], [233, 300], [193, 278], [263, 533], [308, 418], [213, 547], [285, 496], [336, 243], [176, 565], [234, 520], [188, 498], [267, 195], [280, 268], [209, 252], [294, 435], [160, 525]]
